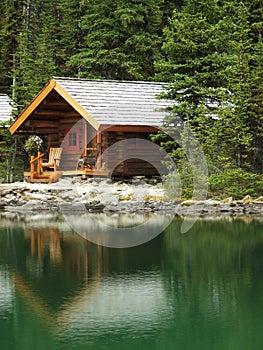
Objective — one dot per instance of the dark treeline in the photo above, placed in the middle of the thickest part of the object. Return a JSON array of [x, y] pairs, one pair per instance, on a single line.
[[117, 39], [209, 51]]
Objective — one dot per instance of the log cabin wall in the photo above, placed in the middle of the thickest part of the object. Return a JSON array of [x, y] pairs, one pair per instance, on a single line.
[[128, 165]]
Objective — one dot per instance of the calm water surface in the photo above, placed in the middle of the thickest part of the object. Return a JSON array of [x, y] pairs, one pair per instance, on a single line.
[[199, 290]]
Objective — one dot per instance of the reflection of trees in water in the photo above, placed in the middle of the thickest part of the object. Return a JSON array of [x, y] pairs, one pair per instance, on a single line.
[[213, 247], [211, 271]]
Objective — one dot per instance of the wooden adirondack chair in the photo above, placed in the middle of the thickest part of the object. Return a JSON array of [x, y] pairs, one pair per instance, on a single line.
[[90, 157], [53, 160]]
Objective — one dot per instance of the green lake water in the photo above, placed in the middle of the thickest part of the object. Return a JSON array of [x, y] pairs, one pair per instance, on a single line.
[[198, 290]]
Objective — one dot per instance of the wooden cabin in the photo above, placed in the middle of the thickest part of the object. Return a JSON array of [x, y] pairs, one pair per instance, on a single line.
[[103, 127], [6, 107]]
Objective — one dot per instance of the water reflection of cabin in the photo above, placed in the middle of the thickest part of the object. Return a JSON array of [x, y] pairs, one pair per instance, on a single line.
[[67, 281], [85, 117]]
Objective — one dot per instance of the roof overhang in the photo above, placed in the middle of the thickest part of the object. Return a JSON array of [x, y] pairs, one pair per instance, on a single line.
[[52, 85], [128, 128]]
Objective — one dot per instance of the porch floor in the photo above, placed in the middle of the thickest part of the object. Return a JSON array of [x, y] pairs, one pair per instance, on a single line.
[[51, 177]]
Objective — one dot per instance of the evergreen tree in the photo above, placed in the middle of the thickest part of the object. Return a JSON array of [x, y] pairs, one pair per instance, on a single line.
[[255, 110], [49, 34], [122, 39], [34, 53], [11, 24], [256, 107], [11, 157], [245, 85], [67, 36], [207, 58], [195, 61], [3, 80]]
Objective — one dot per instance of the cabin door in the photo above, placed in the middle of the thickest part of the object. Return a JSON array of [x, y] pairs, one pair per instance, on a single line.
[[72, 148]]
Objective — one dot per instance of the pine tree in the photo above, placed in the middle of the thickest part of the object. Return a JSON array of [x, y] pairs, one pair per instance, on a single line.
[[208, 52], [246, 87], [256, 107], [122, 38], [3, 79], [255, 110], [67, 35], [195, 61], [34, 53], [10, 28]]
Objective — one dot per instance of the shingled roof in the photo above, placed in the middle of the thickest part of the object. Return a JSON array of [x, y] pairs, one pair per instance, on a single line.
[[118, 102], [102, 102], [5, 108]]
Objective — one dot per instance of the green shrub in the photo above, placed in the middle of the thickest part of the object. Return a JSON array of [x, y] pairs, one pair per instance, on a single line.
[[10, 175], [235, 183]]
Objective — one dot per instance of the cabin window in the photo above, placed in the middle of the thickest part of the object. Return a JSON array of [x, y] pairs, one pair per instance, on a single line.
[[72, 139]]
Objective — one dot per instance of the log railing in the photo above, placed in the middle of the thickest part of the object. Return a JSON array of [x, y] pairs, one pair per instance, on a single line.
[[36, 170], [35, 162]]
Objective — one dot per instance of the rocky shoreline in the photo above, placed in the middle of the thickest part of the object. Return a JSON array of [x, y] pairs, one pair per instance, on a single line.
[[100, 195]]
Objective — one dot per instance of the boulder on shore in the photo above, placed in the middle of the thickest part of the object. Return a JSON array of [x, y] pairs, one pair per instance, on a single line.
[[102, 195]]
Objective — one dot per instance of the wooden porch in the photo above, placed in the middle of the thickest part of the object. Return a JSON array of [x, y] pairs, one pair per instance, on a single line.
[[37, 174], [49, 175]]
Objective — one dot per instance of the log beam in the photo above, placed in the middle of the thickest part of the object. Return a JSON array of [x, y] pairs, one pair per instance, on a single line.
[[41, 124]]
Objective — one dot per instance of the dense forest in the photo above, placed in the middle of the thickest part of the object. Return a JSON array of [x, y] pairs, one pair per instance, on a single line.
[[210, 53]]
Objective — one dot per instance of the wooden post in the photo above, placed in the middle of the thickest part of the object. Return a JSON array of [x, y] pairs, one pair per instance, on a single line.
[[32, 167], [33, 174], [99, 145], [39, 161]]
